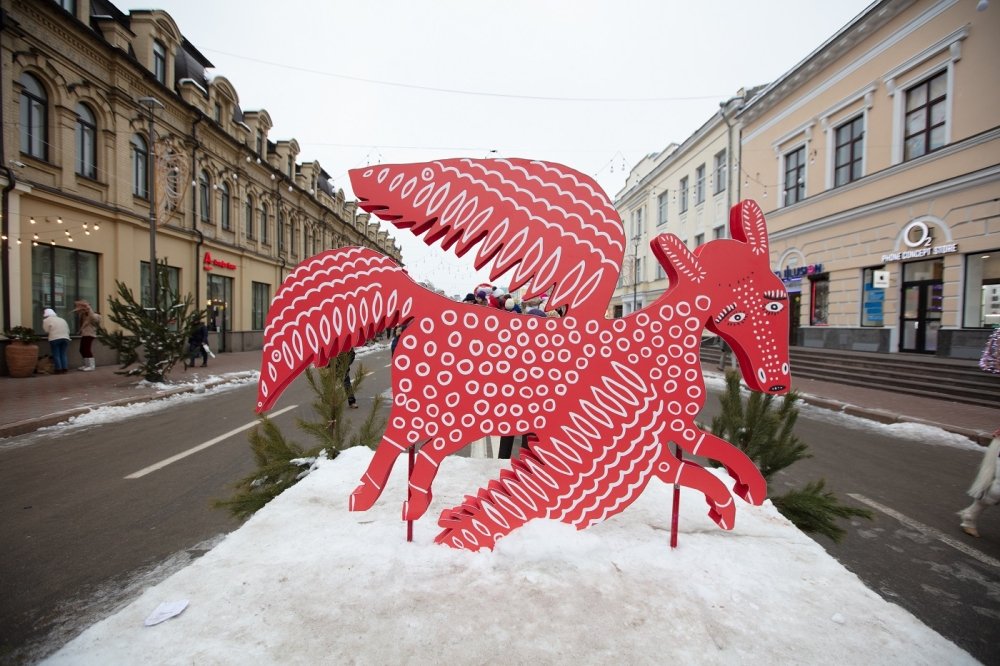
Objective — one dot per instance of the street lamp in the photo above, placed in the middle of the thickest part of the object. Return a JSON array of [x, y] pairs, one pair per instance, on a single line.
[[151, 104]]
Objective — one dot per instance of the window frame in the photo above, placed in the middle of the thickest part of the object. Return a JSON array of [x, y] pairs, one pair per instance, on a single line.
[[662, 212], [33, 109], [800, 180], [699, 185], [160, 61], [260, 301], [929, 126], [683, 202], [972, 283], [225, 206], [856, 152], [86, 142], [264, 225], [721, 171], [140, 167], [204, 197], [248, 214]]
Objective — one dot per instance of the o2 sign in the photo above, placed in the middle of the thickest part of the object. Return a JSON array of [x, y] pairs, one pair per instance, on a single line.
[[917, 236]]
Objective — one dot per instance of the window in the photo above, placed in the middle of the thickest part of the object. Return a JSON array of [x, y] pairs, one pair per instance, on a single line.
[[292, 245], [281, 231], [925, 116], [661, 209], [140, 167], [204, 197], [68, 5], [660, 273], [220, 305], [217, 113], [264, 223], [86, 142], [291, 167], [261, 295], [248, 213], [173, 280], [637, 224], [699, 239], [160, 61], [224, 209], [819, 289], [684, 194], [872, 298], [260, 143], [34, 117], [795, 176], [721, 173], [719, 232], [699, 185], [850, 144], [982, 289], [60, 276]]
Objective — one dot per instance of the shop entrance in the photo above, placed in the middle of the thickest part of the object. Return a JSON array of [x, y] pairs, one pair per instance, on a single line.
[[220, 295], [922, 305], [794, 312]]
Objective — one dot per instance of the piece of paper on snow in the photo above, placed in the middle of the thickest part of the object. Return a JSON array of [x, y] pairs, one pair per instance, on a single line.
[[165, 611]]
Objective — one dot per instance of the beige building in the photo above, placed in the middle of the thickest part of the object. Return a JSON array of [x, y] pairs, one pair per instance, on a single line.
[[686, 190], [236, 209], [877, 163]]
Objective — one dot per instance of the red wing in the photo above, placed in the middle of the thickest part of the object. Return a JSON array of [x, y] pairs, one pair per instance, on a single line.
[[554, 224], [330, 303]]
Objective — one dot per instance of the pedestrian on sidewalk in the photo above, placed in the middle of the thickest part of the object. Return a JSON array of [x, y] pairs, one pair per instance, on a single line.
[[87, 322], [58, 331], [352, 402], [985, 489], [197, 343]]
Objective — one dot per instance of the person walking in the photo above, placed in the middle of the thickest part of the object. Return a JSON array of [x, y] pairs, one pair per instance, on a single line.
[[58, 331], [352, 401], [87, 322], [196, 344], [985, 489]]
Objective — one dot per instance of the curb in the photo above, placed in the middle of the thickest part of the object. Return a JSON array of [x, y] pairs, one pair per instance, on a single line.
[[31, 425]]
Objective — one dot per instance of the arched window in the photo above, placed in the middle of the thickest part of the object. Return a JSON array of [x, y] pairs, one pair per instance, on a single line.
[[140, 166], [34, 117], [204, 197], [224, 211], [86, 142], [264, 223], [248, 213]]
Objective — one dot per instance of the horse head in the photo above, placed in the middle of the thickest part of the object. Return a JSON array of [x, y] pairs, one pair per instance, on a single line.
[[748, 303]]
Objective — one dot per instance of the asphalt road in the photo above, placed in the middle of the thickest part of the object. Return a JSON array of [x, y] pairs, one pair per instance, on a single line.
[[80, 538]]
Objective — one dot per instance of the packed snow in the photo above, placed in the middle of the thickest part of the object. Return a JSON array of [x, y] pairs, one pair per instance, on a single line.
[[305, 581]]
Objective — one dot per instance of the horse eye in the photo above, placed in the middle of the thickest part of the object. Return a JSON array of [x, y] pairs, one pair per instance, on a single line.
[[737, 317], [774, 306]]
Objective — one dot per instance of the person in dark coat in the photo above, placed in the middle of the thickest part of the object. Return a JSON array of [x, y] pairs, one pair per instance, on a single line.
[[196, 344]]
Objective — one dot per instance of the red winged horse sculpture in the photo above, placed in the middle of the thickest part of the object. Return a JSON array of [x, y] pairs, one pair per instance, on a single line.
[[602, 398]]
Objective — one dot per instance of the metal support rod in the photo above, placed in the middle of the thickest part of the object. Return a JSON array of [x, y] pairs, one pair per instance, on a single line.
[[151, 104]]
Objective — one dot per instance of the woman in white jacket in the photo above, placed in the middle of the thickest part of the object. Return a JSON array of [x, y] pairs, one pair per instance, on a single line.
[[985, 490], [58, 331]]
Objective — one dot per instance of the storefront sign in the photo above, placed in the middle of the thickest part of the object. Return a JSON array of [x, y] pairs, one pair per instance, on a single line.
[[880, 279], [209, 262], [798, 272], [918, 237]]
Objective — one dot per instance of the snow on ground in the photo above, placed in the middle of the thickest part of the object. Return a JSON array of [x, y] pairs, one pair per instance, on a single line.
[[305, 581]]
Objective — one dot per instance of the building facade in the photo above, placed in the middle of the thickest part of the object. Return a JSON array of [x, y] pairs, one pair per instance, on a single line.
[[877, 163], [686, 190], [111, 122]]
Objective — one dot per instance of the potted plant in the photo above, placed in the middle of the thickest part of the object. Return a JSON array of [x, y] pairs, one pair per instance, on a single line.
[[22, 352]]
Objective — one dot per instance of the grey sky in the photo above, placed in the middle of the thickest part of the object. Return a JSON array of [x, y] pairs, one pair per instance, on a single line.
[[593, 85]]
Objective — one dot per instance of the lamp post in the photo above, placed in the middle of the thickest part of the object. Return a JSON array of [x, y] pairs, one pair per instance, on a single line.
[[151, 104]]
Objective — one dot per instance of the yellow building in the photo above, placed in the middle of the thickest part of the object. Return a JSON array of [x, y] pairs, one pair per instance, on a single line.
[[82, 84], [877, 163]]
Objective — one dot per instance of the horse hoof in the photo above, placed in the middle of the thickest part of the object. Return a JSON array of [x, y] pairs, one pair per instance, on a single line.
[[363, 498], [971, 531]]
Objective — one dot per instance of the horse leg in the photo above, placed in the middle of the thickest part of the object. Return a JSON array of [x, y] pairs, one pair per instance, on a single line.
[[394, 441], [722, 509], [750, 485], [425, 468]]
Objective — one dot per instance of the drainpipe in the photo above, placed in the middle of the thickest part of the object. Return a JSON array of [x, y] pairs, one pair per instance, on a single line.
[[194, 214], [5, 206]]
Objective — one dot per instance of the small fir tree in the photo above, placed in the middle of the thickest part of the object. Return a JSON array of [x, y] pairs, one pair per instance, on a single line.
[[152, 339], [281, 463], [765, 434]]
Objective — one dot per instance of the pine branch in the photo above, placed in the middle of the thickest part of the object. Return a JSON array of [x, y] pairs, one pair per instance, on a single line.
[[813, 510]]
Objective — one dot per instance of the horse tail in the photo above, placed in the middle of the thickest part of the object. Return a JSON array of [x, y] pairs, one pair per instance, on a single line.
[[987, 470], [331, 303]]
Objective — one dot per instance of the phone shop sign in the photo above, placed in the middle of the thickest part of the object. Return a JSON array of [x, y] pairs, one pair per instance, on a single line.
[[918, 237]]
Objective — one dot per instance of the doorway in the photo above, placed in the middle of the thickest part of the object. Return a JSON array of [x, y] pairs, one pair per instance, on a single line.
[[220, 296], [922, 306], [794, 312]]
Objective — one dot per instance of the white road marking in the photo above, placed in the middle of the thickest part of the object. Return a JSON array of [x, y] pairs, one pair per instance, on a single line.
[[928, 531], [184, 454]]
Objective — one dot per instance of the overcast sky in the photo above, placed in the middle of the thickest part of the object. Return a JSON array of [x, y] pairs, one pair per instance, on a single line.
[[593, 85]]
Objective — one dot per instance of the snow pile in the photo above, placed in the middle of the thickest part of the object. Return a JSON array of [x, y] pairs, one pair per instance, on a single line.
[[306, 581]]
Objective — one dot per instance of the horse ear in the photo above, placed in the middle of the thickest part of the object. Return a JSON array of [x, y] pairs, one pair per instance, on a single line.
[[746, 224], [678, 261]]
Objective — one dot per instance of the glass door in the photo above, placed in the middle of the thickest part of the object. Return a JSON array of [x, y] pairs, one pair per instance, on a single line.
[[921, 316]]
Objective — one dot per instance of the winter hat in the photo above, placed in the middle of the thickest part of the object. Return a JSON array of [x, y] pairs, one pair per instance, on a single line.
[[469, 298], [497, 292], [535, 311], [49, 312], [509, 304], [481, 293]]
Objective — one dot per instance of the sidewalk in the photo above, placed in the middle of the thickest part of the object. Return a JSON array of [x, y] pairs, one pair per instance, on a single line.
[[42, 400]]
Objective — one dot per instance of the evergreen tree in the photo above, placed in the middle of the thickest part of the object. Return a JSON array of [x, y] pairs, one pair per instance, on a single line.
[[765, 435], [151, 338], [281, 463]]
